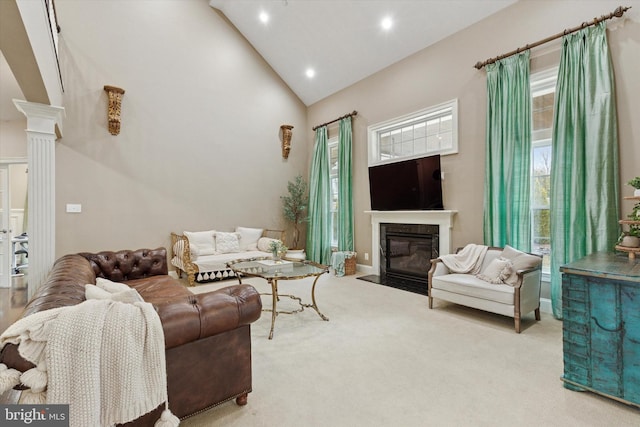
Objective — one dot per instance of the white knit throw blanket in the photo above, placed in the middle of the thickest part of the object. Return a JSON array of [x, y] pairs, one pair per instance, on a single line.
[[468, 260], [104, 358]]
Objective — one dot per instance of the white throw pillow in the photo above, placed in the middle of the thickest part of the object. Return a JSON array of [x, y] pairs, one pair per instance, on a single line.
[[264, 242], [201, 242], [521, 261], [227, 242], [497, 271], [249, 237], [111, 287]]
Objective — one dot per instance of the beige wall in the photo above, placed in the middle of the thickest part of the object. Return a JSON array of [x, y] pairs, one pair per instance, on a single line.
[[199, 146], [18, 180], [445, 71], [14, 139]]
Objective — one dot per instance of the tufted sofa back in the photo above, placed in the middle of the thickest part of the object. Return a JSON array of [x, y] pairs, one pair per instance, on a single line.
[[128, 265]]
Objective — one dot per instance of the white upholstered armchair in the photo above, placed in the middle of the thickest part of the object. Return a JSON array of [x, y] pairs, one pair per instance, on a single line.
[[503, 281]]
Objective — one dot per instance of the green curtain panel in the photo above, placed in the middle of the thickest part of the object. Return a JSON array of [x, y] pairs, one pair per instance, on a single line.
[[584, 171], [345, 190], [507, 215], [319, 227]]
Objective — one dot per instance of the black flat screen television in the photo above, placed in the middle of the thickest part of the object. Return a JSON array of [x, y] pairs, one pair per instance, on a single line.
[[414, 184]]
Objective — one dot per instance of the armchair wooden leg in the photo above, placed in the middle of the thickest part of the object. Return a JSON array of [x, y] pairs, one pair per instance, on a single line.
[[517, 322], [430, 302], [242, 400], [537, 311]]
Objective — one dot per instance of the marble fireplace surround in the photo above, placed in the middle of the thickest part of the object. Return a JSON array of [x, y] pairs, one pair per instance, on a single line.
[[442, 218]]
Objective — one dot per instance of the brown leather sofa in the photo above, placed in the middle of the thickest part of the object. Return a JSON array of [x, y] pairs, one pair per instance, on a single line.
[[207, 336]]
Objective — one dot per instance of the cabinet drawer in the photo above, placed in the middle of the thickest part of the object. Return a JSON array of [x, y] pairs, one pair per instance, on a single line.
[[575, 293], [574, 286], [577, 353], [576, 369], [576, 338], [575, 316], [574, 306]]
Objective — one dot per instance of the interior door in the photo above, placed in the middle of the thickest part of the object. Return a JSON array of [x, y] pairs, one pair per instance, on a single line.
[[5, 233]]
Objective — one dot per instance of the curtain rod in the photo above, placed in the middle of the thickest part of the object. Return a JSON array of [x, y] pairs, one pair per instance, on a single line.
[[353, 113], [615, 14]]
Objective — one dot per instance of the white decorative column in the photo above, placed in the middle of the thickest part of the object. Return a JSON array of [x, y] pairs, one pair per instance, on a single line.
[[41, 225], [443, 219]]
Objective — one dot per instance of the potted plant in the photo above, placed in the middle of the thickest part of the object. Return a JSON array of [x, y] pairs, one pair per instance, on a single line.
[[635, 183], [278, 249], [631, 238], [294, 209]]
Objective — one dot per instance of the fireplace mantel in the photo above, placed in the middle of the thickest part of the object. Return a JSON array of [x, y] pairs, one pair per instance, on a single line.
[[443, 219]]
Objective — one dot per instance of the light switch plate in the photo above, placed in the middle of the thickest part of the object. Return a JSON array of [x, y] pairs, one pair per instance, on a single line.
[[74, 208]]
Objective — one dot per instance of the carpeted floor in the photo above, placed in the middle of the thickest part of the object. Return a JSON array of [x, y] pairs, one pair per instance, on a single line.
[[385, 359]]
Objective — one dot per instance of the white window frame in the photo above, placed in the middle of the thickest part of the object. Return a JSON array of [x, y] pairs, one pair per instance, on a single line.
[[333, 213], [541, 83], [374, 132]]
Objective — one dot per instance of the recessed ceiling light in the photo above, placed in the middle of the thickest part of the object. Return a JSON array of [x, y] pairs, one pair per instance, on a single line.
[[310, 73], [386, 23], [264, 17]]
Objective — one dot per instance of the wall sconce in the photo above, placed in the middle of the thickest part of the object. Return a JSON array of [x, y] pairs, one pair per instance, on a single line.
[[286, 140], [115, 105]]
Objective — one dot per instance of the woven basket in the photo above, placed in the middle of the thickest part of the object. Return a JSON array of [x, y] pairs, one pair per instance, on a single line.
[[350, 265]]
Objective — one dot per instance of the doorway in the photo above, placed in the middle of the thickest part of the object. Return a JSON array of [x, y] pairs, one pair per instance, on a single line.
[[14, 240]]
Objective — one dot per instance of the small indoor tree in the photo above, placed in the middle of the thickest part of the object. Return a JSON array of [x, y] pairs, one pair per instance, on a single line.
[[294, 206]]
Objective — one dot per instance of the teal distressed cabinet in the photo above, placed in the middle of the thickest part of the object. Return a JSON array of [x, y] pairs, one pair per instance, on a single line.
[[601, 326]]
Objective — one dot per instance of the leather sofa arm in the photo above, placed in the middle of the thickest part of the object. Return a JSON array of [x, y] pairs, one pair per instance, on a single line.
[[203, 315], [64, 285]]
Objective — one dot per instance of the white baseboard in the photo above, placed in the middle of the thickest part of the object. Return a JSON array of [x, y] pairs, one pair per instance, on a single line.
[[545, 303], [365, 269]]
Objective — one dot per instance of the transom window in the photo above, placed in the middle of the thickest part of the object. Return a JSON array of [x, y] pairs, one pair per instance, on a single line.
[[433, 130]]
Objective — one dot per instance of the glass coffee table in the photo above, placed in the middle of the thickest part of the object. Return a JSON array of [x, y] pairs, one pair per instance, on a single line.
[[272, 271]]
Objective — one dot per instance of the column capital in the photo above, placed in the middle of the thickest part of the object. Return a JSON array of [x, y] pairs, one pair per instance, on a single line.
[[41, 117]]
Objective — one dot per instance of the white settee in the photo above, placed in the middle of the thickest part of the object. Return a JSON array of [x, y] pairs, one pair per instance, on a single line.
[[503, 281], [203, 255]]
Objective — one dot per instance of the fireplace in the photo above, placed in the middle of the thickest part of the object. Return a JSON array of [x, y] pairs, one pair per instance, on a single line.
[[405, 254], [406, 249], [403, 244]]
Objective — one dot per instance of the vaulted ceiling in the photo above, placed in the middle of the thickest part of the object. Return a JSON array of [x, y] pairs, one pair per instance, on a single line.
[[344, 41], [341, 41]]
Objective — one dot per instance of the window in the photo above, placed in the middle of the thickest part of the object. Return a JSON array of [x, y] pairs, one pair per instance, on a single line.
[[543, 86], [332, 145], [430, 131]]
